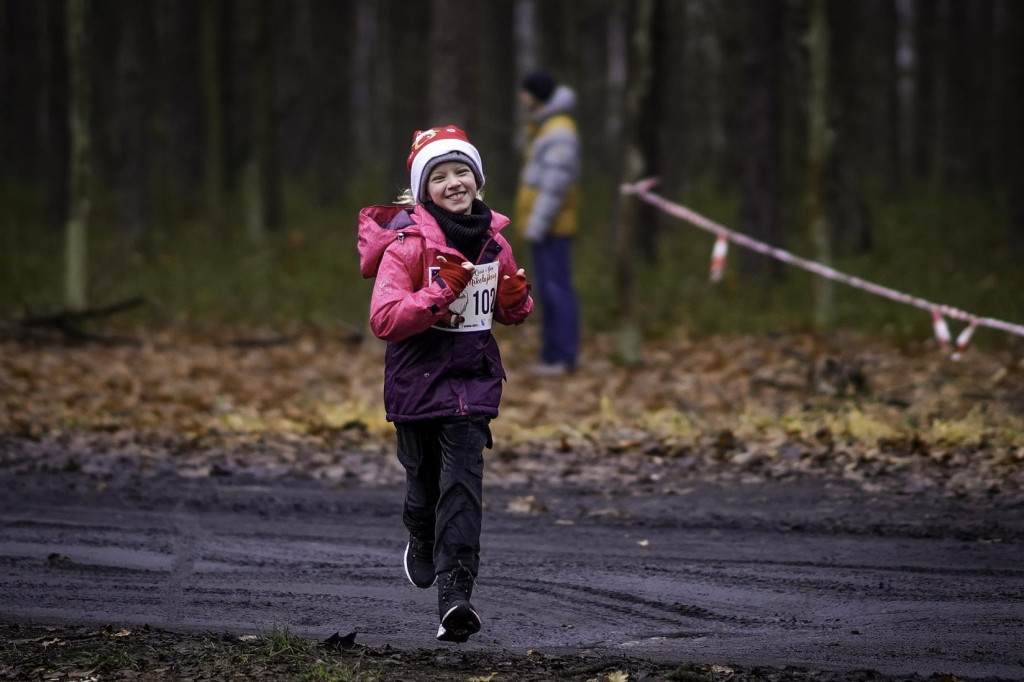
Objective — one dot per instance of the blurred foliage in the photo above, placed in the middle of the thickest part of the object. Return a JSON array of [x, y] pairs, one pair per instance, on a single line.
[[947, 249]]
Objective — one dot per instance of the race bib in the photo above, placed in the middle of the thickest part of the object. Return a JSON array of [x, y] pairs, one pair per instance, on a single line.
[[473, 310]]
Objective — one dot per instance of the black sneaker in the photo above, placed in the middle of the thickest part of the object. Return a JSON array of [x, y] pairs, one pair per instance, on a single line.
[[459, 619], [419, 562]]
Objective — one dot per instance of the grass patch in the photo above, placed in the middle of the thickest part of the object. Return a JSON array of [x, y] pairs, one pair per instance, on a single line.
[[82, 653]]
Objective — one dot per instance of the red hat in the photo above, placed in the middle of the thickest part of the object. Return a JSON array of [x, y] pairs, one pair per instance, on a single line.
[[437, 145]]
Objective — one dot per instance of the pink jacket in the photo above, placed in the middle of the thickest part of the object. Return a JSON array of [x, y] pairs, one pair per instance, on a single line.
[[430, 373]]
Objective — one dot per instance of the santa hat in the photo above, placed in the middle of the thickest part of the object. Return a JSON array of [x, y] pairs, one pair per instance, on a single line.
[[435, 146]]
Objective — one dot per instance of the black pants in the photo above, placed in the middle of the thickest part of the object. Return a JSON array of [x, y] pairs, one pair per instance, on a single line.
[[444, 467]]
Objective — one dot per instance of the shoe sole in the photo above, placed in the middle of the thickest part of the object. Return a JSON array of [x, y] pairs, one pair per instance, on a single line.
[[405, 564], [458, 624]]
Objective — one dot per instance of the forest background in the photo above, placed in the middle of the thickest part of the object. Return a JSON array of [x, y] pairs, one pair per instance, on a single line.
[[208, 158], [211, 156]]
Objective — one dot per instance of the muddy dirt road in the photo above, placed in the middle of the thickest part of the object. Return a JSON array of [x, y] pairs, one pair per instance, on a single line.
[[806, 574]]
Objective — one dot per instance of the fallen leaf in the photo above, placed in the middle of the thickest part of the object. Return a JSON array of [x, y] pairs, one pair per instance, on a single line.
[[483, 678], [526, 505], [57, 559], [337, 642]]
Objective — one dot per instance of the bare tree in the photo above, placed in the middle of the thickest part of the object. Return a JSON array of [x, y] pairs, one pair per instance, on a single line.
[[76, 254], [957, 133], [451, 23], [213, 110], [367, 36], [761, 129], [984, 71], [817, 159], [849, 219], [892, 119], [633, 169], [617, 75], [925, 29], [178, 141], [265, 174], [1014, 147], [494, 104], [133, 114], [662, 138], [527, 54], [54, 110]]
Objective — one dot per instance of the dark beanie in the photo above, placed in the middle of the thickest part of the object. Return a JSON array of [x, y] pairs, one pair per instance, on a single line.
[[540, 84]]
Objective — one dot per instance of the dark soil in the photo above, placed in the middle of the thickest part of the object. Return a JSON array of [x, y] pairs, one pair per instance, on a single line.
[[158, 576]]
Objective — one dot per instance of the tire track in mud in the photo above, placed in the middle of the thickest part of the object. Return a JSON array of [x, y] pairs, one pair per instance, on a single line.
[[185, 532], [718, 575]]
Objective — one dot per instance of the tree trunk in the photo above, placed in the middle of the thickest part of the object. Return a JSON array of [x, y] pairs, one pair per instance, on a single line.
[[213, 111], [983, 74], [557, 37], [892, 118], [703, 114], [1013, 148], [229, 104], [133, 109], [641, 47], [527, 58], [846, 161], [925, 26], [20, 80], [958, 134], [761, 129], [265, 113], [817, 158], [451, 93], [492, 117], [337, 90], [662, 135], [54, 111], [412, 82], [390, 141], [76, 253], [179, 150], [364, 53], [617, 74]]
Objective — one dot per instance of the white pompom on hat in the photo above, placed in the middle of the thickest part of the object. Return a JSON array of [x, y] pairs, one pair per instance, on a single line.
[[428, 148]]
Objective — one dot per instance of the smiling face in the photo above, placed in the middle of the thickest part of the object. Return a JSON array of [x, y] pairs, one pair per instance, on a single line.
[[452, 186]]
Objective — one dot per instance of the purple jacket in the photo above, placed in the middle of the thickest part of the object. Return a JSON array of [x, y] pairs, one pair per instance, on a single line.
[[429, 373]]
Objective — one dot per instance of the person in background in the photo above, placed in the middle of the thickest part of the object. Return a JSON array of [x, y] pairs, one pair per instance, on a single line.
[[443, 274], [546, 214]]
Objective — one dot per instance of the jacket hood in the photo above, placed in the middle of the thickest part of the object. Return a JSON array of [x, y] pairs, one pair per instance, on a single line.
[[378, 227], [563, 100], [381, 225]]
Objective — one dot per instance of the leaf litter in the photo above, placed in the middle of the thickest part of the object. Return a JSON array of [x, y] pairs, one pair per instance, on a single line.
[[722, 408]]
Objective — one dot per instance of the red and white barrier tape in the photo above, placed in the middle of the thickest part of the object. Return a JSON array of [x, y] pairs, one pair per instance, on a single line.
[[718, 254], [938, 311], [941, 329]]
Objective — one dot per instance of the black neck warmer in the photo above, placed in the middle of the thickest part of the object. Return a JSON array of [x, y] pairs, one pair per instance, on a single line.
[[465, 230]]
